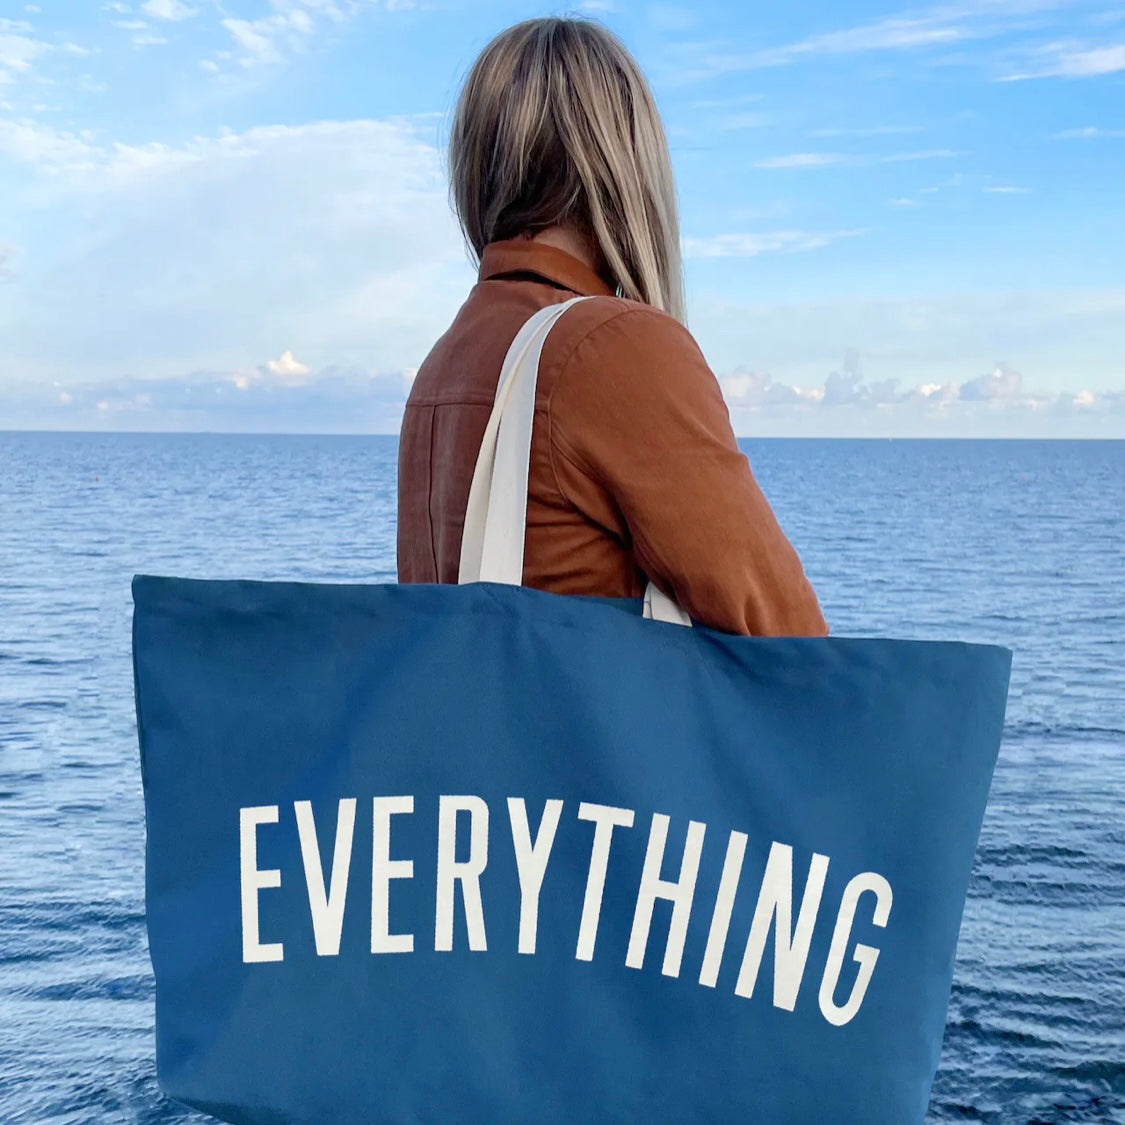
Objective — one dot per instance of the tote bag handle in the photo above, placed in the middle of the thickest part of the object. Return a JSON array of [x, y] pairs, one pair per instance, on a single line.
[[492, 545]]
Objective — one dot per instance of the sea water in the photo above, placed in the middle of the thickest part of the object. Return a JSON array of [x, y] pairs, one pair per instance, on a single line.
[[1020, 543]]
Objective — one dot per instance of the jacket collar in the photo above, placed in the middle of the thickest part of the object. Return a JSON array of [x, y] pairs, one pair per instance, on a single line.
[[522, 255]]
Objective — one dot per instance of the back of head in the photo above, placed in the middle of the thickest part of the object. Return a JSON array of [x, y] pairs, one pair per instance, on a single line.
[[556, 125]]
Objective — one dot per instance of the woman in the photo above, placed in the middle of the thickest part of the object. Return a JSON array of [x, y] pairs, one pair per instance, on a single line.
[[563, 186]]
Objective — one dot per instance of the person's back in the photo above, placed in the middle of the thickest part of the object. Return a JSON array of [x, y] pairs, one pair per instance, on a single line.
[[635, 472]]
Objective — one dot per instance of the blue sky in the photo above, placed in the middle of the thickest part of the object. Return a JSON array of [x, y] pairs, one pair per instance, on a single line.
[[232, 215]]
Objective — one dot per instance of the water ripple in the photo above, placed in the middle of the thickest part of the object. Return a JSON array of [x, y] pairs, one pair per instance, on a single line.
[[1010, 542]]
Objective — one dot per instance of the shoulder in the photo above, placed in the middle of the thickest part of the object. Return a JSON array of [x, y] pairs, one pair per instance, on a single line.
[[602, 321], [615, 342], [623, 374]]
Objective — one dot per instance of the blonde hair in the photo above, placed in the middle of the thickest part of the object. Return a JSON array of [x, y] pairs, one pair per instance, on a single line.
[[556, 125]]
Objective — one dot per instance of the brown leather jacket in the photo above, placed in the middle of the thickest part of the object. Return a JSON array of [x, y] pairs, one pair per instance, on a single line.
[[635, 472]]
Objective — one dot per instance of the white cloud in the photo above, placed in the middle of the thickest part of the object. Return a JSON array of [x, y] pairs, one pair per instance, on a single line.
[[18, 51], [1071, 60], [1096, 61], [925, 154], [353, 399], [248, 400], [21, 51], [334, 236], [916, 30], [834, 159], [168, 9], [287, 365], [30, 142], [749, 245], [1003, 382], [896, 33], [804, 160], [1003, 386], [753, 389], [1007, 189], [257, 37], [286, 31], [1063, 339], [846, 403], [1086, 133]]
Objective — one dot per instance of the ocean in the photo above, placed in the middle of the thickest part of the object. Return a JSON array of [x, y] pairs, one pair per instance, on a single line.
[[1020, 543]]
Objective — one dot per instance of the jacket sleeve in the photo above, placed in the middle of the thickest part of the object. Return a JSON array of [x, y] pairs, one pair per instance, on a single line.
[[637, 409]]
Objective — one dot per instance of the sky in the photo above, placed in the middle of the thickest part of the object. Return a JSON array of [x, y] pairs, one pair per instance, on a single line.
[[232, 215]]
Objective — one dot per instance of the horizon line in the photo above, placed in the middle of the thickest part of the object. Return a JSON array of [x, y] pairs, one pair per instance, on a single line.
[[739, 437]]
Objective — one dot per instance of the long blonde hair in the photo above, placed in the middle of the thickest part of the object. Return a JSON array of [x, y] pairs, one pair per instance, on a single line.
[[557, 125]]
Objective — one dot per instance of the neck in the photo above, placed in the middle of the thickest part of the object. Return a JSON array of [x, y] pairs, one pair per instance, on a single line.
[[575, 242]]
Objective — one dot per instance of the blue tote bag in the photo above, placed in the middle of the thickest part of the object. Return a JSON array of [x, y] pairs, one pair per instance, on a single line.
[[484, 854]]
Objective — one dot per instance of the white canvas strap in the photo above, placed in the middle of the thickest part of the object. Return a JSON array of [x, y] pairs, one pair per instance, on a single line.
[[492, 545]]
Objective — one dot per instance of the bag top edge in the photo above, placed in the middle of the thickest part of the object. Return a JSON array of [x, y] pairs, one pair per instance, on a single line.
[[152, 589]]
